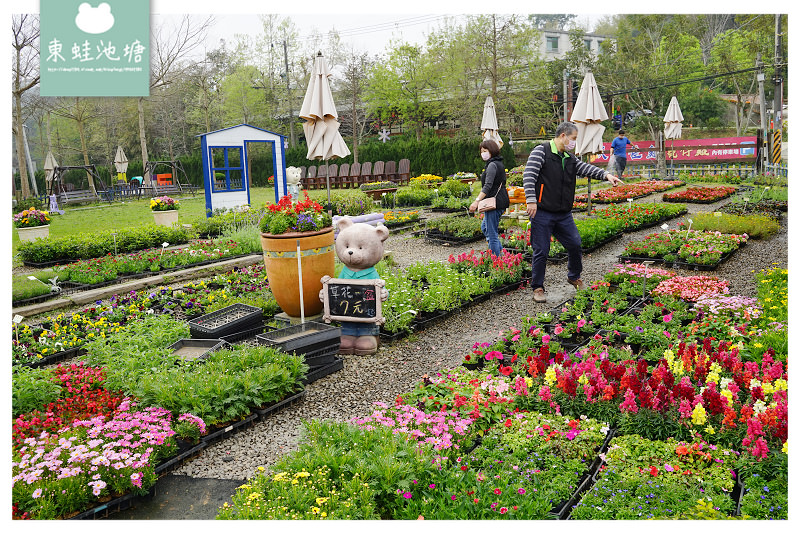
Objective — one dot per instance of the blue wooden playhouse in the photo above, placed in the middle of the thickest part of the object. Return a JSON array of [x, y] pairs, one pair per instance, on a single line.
[[225, 178]]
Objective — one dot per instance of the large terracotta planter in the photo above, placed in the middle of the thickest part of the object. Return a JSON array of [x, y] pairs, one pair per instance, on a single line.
[[280, 259], [36, 232], [166, 218]]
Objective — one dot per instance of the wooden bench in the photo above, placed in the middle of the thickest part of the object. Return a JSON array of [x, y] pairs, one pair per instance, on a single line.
[[78, 196]]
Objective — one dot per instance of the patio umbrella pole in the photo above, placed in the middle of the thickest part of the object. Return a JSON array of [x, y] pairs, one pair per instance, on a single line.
[[589, 196], [300, 278], [328, 183]]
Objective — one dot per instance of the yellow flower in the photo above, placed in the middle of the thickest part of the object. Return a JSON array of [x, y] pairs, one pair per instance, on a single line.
[[698, 415], [315, 510], [321, 501], [785, 448], [708, 429]]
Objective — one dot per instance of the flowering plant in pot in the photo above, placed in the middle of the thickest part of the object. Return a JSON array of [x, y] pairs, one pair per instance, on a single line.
[[286, 216], [163, 203], [31, 218]]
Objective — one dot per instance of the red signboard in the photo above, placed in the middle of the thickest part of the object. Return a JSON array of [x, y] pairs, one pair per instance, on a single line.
[[736, 149]]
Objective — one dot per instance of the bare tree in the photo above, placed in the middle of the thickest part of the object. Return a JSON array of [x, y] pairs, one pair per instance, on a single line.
[[169, 45], [83, 112], [353, 117], [25, 76]]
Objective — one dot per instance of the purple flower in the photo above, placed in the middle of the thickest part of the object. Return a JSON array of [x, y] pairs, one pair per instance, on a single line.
[[668, 468], [639, 329]]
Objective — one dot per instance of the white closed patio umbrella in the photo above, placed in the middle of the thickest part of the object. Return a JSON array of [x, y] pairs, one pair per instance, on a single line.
[[120, 161], [489, 123], [673, 123], [50, 165], [587, 114], [321, 124]]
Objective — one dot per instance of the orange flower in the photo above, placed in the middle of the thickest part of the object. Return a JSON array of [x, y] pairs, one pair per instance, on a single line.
[[682, 450]]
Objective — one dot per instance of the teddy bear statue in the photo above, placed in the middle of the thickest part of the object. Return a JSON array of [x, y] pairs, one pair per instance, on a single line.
[[360, 247], [293, 182]]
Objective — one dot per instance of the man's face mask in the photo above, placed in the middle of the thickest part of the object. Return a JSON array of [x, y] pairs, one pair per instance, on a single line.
[[570, 144]]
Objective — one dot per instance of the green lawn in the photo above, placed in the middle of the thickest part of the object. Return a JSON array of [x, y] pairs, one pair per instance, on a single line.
[[103, 216]]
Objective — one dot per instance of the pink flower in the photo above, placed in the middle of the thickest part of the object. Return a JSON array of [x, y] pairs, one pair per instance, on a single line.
[[407, 495], [668, 318], [545, 339], [558, 329]]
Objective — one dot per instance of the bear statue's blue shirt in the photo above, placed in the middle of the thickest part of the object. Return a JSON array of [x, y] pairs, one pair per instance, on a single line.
[[367, 273]]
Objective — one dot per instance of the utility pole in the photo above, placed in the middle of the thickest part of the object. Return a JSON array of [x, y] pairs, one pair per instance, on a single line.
[[566, 96], [292, 136], [777, 109], [762, 149]]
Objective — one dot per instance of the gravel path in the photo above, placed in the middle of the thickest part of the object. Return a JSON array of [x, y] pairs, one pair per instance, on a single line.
[[364, 380]]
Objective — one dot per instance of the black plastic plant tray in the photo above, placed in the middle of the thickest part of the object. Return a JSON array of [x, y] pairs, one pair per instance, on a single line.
[[126, 501], [246, 334], [302, 338], [196, 349], [321, 357], [57, 357], [225, 321], [323, 371], [231, 429], [270, 410]]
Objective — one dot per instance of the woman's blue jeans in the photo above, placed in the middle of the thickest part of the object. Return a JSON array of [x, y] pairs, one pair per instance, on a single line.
[[562, 227], [491, 229]]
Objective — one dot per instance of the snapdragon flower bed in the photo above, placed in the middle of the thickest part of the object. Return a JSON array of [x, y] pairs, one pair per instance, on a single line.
[[621, 193], [700, 432], [699, 195]]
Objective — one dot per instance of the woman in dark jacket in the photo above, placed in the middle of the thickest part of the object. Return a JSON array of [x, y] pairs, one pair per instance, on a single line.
[[493, 183]]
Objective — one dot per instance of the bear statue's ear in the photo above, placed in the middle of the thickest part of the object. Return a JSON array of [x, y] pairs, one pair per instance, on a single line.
[[344, 222], [382, 231]]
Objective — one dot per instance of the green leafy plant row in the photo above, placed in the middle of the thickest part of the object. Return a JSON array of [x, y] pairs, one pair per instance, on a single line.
[[98, 244]]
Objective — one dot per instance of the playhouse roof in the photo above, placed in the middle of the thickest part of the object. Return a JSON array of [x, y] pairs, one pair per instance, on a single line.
[[241, 126]]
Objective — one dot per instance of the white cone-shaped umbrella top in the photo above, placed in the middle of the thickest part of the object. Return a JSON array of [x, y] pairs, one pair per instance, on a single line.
[[49, 166], [587, 114], [589, 106], [321, 127], [673, 119], [489, 122], [120, 160]]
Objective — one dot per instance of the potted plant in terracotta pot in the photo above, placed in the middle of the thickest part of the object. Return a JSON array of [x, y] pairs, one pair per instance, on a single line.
[[32, 224], [165, 210], [286, 225]]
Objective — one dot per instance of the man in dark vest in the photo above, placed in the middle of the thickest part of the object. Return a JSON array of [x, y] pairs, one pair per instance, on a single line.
[[549, 182]]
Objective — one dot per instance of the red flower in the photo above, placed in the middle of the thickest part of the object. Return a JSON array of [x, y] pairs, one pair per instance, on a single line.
[[653, 471]]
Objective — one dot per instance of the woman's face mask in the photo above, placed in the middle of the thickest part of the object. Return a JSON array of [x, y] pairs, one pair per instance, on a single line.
[[485, 156]]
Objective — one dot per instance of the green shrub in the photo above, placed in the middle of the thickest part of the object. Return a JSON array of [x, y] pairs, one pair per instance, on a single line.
[[31, 389], [413, 196], [351, 203], [98, 244], [756, 226], [455, 188]]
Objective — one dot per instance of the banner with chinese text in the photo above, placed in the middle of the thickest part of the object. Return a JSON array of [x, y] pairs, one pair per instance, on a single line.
[[735, 149]]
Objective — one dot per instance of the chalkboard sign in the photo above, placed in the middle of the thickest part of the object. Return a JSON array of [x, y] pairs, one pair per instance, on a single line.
[[352, 300]]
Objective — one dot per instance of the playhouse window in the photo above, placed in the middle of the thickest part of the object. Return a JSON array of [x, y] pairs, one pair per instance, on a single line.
[[227, 168]]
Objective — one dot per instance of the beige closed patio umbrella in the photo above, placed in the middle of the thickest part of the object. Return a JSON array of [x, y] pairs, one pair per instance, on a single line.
[[321, 124], [121, 163], [673, 123], [489, 123], [50, 165], [587, 114]]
